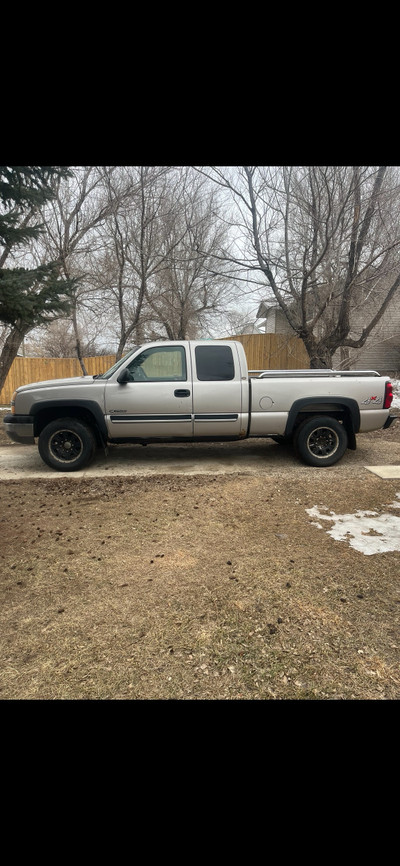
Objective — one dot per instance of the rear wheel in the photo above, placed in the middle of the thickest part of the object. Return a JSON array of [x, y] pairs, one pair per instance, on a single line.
[[67, 444], [321, 441]]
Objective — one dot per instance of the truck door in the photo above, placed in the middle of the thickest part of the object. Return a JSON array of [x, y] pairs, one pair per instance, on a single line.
[[217, 391], [156, 401]]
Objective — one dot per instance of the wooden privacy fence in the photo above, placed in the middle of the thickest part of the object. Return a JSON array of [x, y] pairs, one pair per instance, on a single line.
[[263, 352], [25, 370], [273, 352]]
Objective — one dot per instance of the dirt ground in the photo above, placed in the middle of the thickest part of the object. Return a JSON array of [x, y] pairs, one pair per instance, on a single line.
[[199, 587]]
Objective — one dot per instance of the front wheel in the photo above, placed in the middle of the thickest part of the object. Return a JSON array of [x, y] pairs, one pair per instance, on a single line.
[[321, 441], [66, 444]]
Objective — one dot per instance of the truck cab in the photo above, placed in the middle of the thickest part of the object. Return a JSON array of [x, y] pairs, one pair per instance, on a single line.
[[195, 390]]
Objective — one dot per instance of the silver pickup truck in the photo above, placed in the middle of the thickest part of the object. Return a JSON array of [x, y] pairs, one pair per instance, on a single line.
[[198, 391]]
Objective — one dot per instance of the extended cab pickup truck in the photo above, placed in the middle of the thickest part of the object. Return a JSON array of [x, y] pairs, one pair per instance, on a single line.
[[197, 391]]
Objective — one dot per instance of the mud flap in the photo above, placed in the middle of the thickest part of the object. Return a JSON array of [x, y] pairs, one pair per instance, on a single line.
[[352, 442]]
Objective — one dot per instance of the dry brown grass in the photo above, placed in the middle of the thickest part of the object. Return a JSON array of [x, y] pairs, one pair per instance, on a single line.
[[194, 588]]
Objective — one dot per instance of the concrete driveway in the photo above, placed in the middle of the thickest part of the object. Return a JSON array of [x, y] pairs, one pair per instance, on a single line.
[[21, 461], [251, 457]]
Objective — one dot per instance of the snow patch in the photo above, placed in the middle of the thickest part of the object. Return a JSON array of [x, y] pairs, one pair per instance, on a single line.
[[366, 531], [396, 394]]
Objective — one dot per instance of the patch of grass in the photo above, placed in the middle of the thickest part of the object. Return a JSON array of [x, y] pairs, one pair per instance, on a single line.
[[193, 588]]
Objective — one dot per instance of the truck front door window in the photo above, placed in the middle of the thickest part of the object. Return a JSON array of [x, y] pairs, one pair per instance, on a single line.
[[167, 364]]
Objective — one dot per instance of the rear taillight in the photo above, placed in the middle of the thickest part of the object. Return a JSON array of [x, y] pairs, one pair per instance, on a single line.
[[388, 395]]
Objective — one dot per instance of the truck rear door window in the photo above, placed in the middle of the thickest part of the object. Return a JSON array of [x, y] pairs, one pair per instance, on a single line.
[[214, 363]]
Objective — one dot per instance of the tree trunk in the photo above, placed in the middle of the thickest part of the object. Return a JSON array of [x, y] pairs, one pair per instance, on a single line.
[[10, 351], [320, 355], [78, 342], [321, 360]]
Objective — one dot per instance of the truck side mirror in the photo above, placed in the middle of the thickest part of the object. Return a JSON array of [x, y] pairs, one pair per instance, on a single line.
[[124, 377]]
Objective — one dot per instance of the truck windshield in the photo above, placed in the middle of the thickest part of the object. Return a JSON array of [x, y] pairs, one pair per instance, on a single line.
[[116, 366]]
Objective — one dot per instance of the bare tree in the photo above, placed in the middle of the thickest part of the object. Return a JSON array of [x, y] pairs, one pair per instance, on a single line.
[[188, 291], [78, 208], [323, 240], [131, 248], [152, 268], [140, 243]]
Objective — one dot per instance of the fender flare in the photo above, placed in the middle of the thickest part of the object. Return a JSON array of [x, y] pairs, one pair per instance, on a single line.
[[337, 403], [90, 405]]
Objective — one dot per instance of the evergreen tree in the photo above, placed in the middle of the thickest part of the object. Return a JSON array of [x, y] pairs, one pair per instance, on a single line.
[[28, 296]]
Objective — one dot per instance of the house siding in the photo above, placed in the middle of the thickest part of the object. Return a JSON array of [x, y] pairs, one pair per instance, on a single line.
[[381, 351]]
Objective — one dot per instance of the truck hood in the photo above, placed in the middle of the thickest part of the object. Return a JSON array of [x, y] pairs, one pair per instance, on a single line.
[[59, 383]]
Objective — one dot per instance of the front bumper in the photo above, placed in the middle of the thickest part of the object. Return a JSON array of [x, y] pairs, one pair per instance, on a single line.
[[389, 421], [19, 428]]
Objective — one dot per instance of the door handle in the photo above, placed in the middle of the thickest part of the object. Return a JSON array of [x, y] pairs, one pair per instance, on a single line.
[[181, 393]]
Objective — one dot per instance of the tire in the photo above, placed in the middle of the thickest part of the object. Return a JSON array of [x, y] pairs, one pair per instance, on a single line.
[[321, 441], [67, 444]]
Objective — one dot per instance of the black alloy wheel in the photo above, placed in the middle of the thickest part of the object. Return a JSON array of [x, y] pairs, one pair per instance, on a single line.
[[321, 441], [67, 444]]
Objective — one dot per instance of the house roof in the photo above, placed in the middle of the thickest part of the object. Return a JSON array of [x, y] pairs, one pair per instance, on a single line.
[[265, 308]]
